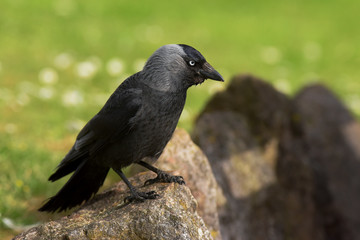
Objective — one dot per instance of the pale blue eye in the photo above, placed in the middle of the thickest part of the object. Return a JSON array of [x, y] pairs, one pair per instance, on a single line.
[[192, 63]]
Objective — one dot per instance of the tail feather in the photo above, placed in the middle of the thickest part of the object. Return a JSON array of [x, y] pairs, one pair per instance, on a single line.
[[69, 164], [64, 170], [85, 182]]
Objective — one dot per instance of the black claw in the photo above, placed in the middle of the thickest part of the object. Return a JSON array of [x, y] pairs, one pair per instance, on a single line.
[[166, 178], [141, 196]]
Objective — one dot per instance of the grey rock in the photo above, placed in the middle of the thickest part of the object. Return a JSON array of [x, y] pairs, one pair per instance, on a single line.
[[332, 135], [176, 215], [239, 167], [283, 165], [188, 160], [172, 216]]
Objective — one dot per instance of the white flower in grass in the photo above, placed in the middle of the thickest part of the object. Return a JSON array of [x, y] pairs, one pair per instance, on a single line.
[[115, 67], [214, 88], [185, 115], [312, 51], [139, 64], [46, 93], [86, 69], [271, 55], [353, 101], [23, 99], [283, 85], [48, 76], [72, 98], [63, 61], [96, 61], [27, 87], [75, 125], [10, 128]]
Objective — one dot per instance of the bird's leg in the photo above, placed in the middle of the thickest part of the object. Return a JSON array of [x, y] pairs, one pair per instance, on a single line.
[[136, 196], [161, 175]]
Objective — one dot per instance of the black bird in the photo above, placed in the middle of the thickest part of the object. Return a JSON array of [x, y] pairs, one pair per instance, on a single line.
[[135, 123]]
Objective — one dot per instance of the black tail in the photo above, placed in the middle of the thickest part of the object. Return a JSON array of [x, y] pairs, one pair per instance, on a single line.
[[69, 164], [85, 182]]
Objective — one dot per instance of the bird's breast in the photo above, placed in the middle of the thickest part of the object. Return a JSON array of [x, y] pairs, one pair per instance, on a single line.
[[154, 124], [157, 123]]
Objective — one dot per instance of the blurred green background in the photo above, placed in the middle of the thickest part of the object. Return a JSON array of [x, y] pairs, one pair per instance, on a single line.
[[60, 60]]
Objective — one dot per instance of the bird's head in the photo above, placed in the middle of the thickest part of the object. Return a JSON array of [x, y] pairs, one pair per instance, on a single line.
[[178, 66]]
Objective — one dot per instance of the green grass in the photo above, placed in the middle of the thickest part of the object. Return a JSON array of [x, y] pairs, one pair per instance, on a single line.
[[289, 43]]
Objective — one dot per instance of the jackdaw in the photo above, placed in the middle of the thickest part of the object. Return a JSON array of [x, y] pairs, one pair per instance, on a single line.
[[135, 123]]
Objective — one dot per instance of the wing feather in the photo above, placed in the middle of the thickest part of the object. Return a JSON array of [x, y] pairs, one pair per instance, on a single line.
[[112, 123]]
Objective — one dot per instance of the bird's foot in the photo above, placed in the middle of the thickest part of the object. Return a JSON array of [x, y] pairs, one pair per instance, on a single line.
[[165, 178], [140, 196]]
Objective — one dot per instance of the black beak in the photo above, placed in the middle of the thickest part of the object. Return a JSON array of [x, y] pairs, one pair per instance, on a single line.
[[208, 72]]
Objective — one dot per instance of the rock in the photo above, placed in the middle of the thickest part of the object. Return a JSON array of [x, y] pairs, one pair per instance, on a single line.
[[239, 132], [182, 157], [239, 167], [172, 216], [265, 109], [156, 219], [332, 135], [275, 185]]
